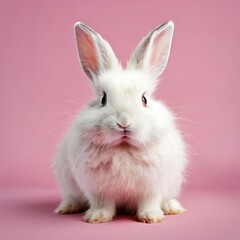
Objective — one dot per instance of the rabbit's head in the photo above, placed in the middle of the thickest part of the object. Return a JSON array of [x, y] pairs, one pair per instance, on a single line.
[[124, 111]]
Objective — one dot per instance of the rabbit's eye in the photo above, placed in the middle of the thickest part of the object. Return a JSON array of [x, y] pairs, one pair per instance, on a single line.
[[104, 99], [144, 101]]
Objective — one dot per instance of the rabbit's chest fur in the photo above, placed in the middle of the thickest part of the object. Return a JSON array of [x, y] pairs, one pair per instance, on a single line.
[[121, 173]]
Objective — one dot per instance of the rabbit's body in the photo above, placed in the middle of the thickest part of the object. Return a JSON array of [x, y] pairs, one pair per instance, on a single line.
[[123, 150]]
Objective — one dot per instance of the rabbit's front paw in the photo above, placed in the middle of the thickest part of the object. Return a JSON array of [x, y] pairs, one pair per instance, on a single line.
[[172, 207], [100, 215], [68, 206], [151, 216]]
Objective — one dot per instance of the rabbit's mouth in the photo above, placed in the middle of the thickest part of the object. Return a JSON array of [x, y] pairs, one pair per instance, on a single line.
[[125, 134], [126, 137]]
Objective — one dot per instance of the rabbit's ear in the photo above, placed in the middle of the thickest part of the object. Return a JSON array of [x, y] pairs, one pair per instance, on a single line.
[[95, 53], [153, 51]]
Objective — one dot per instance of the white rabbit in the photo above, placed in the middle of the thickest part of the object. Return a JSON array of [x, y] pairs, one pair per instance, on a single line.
[[124, 149]]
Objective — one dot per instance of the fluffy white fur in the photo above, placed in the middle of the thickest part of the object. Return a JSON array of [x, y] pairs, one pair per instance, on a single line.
[[138, 166]]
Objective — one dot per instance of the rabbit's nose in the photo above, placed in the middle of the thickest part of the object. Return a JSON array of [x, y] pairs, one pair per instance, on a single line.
[[123, 126], [123, 121]]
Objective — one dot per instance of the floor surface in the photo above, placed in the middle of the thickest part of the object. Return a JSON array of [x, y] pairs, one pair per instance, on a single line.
[[28, 214]]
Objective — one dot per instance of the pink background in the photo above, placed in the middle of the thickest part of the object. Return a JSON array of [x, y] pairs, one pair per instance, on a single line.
[[42, 86]]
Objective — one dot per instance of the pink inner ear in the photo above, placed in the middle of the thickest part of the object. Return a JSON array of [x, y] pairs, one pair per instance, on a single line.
[[87, 51], [158, 49]]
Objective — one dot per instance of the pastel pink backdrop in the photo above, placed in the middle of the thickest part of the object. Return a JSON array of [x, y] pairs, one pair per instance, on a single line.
[[40, 72], [42, 85]]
